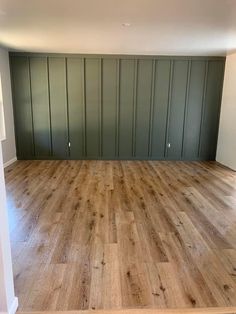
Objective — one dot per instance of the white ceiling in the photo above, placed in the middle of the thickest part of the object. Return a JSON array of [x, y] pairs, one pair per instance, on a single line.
[[177, 27]]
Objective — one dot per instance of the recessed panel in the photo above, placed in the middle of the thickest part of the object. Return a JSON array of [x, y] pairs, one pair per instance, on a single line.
[[143, 106], [126, 108], [177, 110], [40, 106], [22, 107], [93, 107], [109, 107], [160, 106], [58, 103], [75, 83]]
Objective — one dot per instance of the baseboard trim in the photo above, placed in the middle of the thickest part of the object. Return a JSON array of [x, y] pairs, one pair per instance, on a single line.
[[225, 166], [13, 307], [8, 163]]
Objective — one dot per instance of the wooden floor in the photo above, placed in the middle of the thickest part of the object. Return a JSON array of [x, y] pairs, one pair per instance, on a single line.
[[211, 310], [120, 235]]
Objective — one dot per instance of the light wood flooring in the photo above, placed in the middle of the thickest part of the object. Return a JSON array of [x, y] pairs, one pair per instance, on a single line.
[[122, 234], [209, 310]]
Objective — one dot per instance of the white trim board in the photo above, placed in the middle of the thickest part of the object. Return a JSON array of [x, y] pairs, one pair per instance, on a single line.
[[13, 307], [7, 295], [9, 162]]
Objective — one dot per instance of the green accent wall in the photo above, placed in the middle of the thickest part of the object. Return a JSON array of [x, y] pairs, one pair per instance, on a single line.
[[116, 107]]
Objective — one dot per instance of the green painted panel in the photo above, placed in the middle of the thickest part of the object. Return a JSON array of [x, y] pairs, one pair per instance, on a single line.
[[194, 110], [127, 71], [210, 123], [22, 106], [75, 83], [40, 106], [177, 109], [143, 104], [109, 107], [58, 102], [160, 105], [93, 103]]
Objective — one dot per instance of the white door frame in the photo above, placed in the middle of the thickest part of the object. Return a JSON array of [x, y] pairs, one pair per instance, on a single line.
[[8, 300]]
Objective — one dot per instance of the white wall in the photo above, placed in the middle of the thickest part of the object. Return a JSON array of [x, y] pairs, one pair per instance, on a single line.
[[8, 145], [226, 148]]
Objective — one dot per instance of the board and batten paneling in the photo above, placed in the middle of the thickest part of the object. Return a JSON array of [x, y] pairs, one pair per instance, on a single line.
[[116, 107]]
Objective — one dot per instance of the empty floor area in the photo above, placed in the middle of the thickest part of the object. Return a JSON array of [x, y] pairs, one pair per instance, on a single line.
[[122, 234]]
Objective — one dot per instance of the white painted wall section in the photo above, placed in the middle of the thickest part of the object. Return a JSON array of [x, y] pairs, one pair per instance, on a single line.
[[226, 148]]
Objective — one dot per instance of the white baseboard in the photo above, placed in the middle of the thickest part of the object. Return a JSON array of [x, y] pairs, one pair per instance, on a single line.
[[13, 307], [9, 162]]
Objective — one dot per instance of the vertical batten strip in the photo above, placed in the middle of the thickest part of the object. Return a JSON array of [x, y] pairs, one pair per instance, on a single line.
[[220, 101], [50, 112], [134, 108], [84, 109], [168, 107], [101, 108], [186, 105], [203, 107], [151, 114], [31, 108], [67, 109], [117, 106]]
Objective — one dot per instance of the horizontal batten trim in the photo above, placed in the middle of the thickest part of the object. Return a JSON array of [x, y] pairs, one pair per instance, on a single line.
[[115, 56]]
